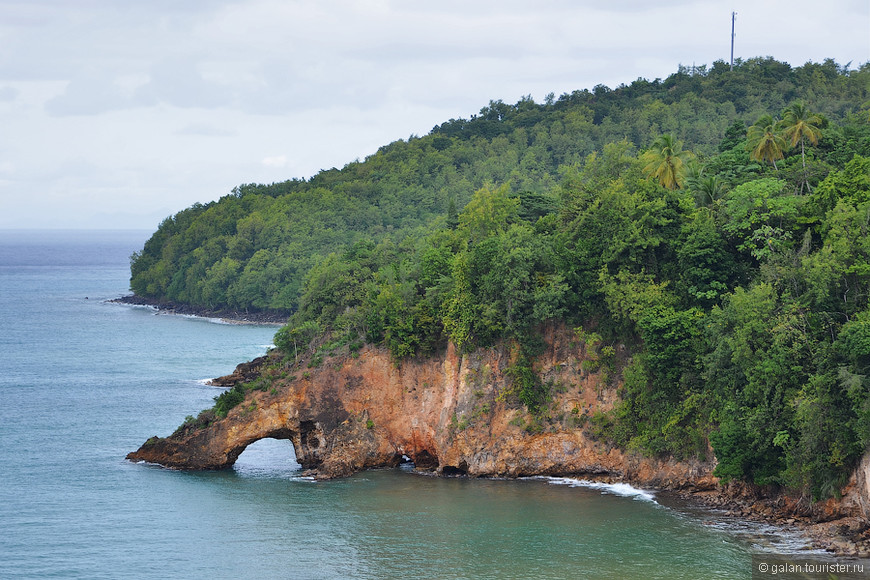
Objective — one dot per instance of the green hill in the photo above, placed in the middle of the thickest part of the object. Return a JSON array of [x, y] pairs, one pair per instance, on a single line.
[[715, 224], [251, 249]]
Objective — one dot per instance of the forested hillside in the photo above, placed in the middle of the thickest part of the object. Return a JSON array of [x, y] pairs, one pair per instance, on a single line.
[[252, 249], [715, 224]]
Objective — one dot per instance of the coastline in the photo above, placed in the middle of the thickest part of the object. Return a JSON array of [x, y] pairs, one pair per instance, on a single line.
[[785, 526], [263, 318], [821, 530], [825, 525]]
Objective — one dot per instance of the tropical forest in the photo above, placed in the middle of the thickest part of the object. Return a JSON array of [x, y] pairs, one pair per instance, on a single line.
[[714, 224]]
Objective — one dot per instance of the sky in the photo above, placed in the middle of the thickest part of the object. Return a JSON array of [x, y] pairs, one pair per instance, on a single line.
[[116, 114]]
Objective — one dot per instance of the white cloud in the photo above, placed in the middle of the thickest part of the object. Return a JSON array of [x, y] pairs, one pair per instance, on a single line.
[[276, 161]]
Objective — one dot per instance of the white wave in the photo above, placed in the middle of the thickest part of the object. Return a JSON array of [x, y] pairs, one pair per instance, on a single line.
[[114, 302], [210, 319], [207, 383], [622, 489]]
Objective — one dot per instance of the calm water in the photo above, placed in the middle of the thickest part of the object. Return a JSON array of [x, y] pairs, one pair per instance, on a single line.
[[85, 382]]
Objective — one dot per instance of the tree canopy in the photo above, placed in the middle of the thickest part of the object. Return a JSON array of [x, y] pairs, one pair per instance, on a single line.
[[739, 283]]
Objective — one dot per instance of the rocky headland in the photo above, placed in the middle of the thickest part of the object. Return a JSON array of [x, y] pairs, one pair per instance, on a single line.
[[457, 414]]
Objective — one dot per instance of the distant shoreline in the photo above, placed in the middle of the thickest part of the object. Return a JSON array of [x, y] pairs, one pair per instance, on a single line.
[[270, 318]]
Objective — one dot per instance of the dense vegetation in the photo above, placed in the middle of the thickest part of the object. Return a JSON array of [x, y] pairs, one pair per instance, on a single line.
[[715, 222], [252, 249]]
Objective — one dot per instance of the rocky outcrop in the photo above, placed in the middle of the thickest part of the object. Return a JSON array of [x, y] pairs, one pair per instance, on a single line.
[[244, 373], [450, 414], [457, 414]]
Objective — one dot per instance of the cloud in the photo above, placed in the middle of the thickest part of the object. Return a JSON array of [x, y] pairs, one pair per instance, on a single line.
[[276, 161], [179, 82], [206, 130], [168, 103], [8, 94], [90, 94]]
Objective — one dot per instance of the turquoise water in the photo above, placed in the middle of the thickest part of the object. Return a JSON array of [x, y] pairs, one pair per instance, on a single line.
[[86, 381]]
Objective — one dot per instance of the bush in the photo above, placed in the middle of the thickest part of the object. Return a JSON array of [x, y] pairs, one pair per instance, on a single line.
[[227, 400]]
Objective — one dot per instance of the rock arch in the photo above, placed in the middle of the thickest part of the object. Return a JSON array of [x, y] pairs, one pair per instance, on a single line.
[[218, 445]]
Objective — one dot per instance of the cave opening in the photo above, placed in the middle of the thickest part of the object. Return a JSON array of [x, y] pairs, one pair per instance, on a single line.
[[425, 460], [452, 470]]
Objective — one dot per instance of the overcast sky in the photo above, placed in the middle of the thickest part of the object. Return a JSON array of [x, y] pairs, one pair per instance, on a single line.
[[116, 114]]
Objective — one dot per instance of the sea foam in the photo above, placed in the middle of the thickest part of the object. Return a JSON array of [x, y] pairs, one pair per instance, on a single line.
[[622, 489]]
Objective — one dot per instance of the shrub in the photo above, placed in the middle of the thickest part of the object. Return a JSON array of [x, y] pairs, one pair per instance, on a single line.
[[227, 400]]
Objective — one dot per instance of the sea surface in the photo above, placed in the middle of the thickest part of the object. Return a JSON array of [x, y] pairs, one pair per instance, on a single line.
[[84, 381]]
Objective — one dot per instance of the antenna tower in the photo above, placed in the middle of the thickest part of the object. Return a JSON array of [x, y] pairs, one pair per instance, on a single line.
[[733, 17]]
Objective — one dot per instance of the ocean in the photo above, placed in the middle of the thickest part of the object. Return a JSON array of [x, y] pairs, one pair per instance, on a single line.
[[85, 381]]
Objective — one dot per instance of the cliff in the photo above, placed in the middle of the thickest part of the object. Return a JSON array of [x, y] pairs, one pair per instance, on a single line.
[[450, 414], [453, 414]]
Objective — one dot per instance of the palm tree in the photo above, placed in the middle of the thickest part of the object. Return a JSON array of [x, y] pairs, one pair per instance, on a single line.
[[764, 141], [708, 190], [666, 162], [799, 124]]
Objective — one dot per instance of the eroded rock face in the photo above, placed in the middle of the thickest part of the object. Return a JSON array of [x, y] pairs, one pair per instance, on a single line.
[[451, 414], [455, 414]]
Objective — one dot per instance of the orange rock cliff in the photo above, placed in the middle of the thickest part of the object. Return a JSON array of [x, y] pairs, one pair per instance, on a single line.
[[448, 413], [452, 413]]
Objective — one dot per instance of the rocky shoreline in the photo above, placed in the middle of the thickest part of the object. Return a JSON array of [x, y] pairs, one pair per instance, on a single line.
[[348, 413], [823, 525], [264, 317]]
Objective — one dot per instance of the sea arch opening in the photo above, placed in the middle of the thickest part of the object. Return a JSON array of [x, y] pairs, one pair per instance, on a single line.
[[270, 456]]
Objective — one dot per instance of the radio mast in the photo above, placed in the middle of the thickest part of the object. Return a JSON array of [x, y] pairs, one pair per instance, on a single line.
[[733, 17]]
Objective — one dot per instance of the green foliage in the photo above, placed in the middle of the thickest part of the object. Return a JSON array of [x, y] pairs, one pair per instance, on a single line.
[[853, 343], [760, 216], [254, 247], [459, 307], [489, 212], [291, 340], [764, 140], [800, 125], [742, 297], [850, 184], [227, 400], [528, 387], [705, 266], [666, 162]]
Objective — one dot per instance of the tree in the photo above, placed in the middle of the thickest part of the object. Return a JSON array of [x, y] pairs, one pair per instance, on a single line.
[[764, 141], [800, 124], [707, 189], [489, 212], [665, 161], [452, 213], [758, 215]]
